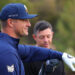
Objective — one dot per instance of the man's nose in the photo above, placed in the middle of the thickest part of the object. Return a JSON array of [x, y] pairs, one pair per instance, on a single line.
[[29, 24], [45, 39]]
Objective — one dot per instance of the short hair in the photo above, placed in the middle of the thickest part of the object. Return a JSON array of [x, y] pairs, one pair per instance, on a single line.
[[41, 25], [3, 23]]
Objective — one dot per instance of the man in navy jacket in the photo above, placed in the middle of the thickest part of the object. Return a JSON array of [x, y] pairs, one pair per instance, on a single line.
[[14, 24]]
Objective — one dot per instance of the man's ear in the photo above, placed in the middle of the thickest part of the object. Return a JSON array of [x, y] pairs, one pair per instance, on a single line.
[[10, 22], [34, 36], [52, 34]]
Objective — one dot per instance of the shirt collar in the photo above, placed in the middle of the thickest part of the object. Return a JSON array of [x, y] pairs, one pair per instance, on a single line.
[[11, 40]]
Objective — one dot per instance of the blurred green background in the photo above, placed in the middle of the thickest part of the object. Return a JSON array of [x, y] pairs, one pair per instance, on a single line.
[[60, 13]]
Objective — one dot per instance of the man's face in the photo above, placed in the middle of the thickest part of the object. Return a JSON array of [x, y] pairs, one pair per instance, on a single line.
[[21, 27], [44, 38]]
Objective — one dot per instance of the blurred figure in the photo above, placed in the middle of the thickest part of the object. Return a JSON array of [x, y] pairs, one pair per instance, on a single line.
[[43, 35]]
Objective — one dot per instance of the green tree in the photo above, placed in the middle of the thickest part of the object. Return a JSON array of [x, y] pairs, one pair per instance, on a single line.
[[65, 34]]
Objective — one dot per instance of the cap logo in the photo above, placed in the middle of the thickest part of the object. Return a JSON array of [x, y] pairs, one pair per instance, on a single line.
[[25, 8], [14, 15]]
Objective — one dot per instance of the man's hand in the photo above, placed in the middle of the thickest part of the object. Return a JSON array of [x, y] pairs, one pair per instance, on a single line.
[[69, 60]]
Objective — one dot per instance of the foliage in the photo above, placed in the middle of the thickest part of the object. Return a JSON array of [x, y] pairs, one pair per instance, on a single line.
[[65, 34]]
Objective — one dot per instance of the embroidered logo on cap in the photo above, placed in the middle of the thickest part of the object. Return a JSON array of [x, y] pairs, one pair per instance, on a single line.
[[14, 15], [25, 8], [10, 68]]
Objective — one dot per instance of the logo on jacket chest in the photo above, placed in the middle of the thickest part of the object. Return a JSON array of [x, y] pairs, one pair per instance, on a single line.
[[10, 68]]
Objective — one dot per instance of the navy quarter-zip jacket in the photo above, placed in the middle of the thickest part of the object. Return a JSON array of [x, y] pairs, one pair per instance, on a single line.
[[12, 55]]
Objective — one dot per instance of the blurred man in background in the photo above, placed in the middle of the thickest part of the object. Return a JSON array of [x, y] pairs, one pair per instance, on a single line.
[[43, 35]]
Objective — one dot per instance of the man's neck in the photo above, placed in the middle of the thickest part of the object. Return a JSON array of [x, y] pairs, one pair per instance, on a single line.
[[10, 33]]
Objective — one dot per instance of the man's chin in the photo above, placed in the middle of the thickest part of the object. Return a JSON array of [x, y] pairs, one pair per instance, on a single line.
[[25, 34], [46, 46]]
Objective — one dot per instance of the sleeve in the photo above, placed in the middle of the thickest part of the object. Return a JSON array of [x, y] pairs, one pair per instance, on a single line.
[[32, 53], [8, 64]]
